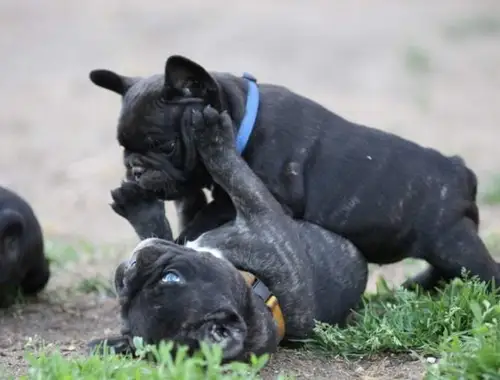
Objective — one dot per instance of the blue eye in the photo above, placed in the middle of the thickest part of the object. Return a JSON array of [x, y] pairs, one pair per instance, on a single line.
[[131, 263], [171, 278]]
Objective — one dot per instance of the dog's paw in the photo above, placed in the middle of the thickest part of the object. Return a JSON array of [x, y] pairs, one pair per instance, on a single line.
[[212, 129], [129, 199], [119, 345]]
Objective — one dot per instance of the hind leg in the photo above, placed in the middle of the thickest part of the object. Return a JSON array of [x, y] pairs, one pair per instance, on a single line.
[[455, 248], [429, 279]]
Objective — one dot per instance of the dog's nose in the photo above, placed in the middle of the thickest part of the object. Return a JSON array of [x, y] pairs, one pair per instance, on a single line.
[[137, 172]]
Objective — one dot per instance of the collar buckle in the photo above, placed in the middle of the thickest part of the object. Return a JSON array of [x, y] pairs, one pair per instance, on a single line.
[[263, 292]]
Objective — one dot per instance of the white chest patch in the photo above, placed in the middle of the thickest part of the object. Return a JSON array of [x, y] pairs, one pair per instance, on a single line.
[[195, 244]]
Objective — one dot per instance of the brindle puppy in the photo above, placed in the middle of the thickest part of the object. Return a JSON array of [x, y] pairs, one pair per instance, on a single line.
[[23, 266], [392, 198], [196, 292]]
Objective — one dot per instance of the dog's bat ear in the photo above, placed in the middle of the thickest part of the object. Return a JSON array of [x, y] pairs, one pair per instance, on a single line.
[[111, 81], [183, 73]]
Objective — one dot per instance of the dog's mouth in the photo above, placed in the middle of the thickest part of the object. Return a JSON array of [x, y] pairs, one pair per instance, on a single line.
[[224, 328], [164, 185], [186, 100], [214, 332]]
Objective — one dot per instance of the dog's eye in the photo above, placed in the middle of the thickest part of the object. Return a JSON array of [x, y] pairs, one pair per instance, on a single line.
[[171, 277], [170, 146]]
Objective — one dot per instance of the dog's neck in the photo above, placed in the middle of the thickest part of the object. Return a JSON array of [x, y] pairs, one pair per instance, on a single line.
[[233, 96], [263, 292]]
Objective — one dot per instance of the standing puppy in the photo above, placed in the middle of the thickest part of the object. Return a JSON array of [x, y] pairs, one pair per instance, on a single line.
[[298, 272], [391, 197], [23, 266]]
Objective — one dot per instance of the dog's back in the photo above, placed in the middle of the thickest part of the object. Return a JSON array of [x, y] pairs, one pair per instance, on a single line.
[[373, 187]]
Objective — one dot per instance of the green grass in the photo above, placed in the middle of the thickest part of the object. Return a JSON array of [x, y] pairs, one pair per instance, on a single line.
[[204, 365], [97, 284], [60, 254], [460, 326]]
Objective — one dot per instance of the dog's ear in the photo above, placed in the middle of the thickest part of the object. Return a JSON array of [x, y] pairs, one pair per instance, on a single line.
[[121, 345], [183, 74], [112, 81], [228, 330]]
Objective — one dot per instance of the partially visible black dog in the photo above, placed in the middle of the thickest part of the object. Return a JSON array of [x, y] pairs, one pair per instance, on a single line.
[[298, 272], [391, 197], [23, 266]]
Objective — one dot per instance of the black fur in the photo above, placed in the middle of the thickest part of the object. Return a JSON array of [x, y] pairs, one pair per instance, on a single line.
[[391, 197], [315, 274], [23, 266]]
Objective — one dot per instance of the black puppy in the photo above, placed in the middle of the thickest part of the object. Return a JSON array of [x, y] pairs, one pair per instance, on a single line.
[[23, 266], [392, 198], [298, 271]]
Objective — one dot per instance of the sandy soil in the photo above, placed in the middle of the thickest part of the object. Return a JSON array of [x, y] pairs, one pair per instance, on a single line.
[[429, 71]]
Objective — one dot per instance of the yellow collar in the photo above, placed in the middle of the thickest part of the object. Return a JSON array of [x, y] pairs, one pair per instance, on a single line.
[[270, 299]]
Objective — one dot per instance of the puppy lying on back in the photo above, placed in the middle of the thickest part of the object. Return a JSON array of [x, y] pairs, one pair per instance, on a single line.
[[23, 266], [246, 285], [391, 197]]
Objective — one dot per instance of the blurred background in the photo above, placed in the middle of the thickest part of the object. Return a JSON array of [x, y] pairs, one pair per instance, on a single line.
[[427, 70]]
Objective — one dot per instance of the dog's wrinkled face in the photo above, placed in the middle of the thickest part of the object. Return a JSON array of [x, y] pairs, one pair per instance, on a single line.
[[170, 292], [154, 124]]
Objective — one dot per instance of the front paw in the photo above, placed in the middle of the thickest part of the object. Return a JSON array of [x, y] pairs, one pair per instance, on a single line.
[[212, 129], [130, 199], [119, 345]]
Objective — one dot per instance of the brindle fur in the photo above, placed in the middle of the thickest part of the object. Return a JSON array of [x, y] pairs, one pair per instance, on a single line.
[[315, 274], [391, 197]]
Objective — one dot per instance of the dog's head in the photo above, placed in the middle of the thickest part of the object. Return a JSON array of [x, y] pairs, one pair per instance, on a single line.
[[153, 126], [170, 292]]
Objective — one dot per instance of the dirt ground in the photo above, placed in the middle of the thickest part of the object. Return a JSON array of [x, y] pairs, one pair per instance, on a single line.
[[427, 70]]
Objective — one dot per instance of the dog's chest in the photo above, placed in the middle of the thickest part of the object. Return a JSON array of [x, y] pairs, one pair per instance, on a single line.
[[202, 245]]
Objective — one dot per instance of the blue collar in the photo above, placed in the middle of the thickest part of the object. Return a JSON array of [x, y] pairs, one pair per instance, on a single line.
[[251, 110]]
